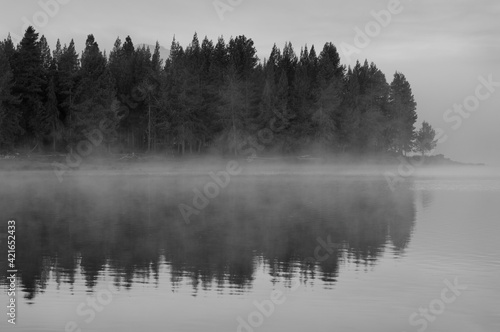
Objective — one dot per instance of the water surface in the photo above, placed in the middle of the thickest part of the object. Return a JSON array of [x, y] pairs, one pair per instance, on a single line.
[[121, 239]]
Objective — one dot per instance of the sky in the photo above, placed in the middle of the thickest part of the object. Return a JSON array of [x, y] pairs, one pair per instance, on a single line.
[[447, 49]]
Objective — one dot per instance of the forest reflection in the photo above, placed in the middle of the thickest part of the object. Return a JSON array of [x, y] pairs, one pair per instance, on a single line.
[[131, 226]]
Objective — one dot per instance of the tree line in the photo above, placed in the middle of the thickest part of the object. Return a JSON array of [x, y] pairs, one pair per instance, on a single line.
[[209, 96]]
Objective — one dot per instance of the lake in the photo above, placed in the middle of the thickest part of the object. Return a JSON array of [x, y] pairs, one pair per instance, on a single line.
[[270, 251]]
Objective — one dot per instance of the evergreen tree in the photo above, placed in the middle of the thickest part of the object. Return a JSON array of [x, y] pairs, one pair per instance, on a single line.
[[9, 49], [55, 125], [66, 81], [402, 114], [373, 102], [348, 123], [232, 113], [121, 66], [242, 56], [56, 54], [151, 86], [156, 60], [284, 118], [95, 99], [242, 63], [425, 139], [46, 55], [27, 65], [206, 94], [288, 64], [302, 97], [9, 113], [329, 66], [210, 94], [220, 62], [177, 98], [328, 98]]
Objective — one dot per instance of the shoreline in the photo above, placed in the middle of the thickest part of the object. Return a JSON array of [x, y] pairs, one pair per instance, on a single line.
[[187, 164]]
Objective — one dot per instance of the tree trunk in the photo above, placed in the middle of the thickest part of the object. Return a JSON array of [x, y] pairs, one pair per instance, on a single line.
[[149, 127], [54, 137]]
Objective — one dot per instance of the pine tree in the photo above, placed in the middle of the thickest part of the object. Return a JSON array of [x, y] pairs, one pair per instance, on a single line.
[[121, 65], [56, 54], [288, 63], [45, 55], [402, 114], [9, 49], [232, 112], [327, 108], [302, 96], [151, 85], [328, 98], [156, 60], [243, 63], [175, 99], [329, 64], [66, 82], [220, 62], [242, 56], [206, 94], [209, 93], [28, 72], [53, 117], [9, 113], [95, 98], [273, 63], [371, 104], [348, 123], [425, 139], [285, 122]]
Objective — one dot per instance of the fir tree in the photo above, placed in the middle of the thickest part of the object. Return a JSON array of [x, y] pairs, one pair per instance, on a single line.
[[402, 114], [9, 112], [425, 139], [29, 75]]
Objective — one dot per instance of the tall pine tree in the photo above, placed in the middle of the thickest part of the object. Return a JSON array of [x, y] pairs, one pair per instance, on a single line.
[[29, 74], [9, 112], [402, 115]]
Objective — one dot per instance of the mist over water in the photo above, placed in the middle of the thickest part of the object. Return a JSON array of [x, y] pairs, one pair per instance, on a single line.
[[133, 225], [335, 239]]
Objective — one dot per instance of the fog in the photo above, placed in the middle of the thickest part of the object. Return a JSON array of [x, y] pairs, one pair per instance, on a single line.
[[416, 43], [100, 219], [182, 234]]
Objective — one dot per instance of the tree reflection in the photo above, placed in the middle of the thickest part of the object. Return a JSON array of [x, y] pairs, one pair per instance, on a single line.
[[131, 227]]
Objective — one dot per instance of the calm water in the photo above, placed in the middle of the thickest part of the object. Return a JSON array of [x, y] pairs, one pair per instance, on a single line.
[[120, 241]]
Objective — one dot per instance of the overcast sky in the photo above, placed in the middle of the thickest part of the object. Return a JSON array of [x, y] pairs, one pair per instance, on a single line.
[[442, 46]]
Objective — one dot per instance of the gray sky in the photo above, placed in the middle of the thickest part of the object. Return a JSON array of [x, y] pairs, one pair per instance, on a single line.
[[442, 46]]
